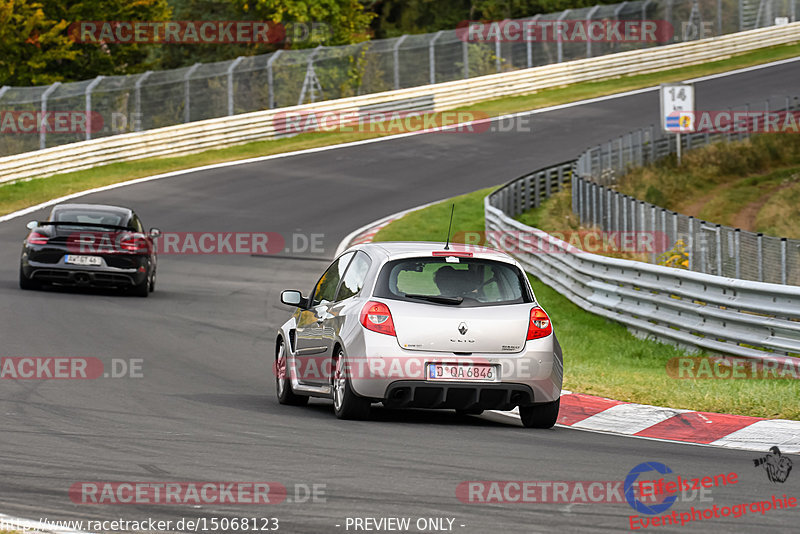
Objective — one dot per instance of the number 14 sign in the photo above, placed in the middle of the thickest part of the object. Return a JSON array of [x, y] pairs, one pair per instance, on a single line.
[[677, 107]]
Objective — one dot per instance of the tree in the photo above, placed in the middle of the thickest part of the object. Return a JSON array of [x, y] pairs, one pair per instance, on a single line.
[[32, 45], [107, 59], [338, 22]]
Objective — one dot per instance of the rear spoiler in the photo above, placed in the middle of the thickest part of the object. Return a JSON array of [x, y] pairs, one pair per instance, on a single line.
[[81, 224]]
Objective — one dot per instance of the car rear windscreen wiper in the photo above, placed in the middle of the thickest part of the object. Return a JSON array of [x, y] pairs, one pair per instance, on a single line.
[[437, 298]]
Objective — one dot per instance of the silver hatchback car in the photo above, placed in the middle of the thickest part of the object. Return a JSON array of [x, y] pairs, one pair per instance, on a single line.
[[422, 325]]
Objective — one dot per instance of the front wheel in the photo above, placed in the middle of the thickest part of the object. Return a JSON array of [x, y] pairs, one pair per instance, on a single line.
[[283, 384], [346, 404], [540, 415]]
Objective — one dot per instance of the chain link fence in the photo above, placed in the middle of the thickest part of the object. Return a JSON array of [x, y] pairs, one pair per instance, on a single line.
[[708, 248], [120, 104]]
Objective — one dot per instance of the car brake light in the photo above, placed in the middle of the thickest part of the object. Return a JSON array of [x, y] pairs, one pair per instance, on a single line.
[[133, 243], [539, 325], [376, 316], [37, 239], [438, 253]]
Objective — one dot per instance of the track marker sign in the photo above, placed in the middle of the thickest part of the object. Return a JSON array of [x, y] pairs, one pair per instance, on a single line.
[[677, 110]]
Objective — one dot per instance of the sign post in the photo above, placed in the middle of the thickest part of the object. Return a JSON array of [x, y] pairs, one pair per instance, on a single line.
[[677, 110]]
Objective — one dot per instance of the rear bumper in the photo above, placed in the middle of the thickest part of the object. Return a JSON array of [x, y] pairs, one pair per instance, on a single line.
[[419, 394], [71, 275], [397, 376]]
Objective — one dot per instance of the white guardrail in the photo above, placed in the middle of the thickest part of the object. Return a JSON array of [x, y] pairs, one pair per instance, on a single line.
[[698, 311], [226, 131]]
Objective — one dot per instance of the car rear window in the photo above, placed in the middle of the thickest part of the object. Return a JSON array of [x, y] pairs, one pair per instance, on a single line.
[[478, 282], [93, 217]]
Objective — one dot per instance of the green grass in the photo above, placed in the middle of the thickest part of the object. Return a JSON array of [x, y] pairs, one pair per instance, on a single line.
[[27, 193], [719, 181], [600, 356]]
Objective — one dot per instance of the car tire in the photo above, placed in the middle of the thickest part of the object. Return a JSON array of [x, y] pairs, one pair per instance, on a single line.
[[152, 286], [141, 290], [283, 385], [540, 415], [469, 411], [27, 283], [346, 404]]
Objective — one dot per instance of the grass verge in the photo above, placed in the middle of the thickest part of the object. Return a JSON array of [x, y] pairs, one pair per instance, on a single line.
[[600, 356], [28, 193], [730, 183]]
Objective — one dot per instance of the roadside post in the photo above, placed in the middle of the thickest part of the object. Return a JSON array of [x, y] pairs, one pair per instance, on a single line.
[[677, 110]]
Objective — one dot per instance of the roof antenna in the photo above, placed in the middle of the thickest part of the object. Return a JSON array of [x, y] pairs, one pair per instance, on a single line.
[[447, 245]]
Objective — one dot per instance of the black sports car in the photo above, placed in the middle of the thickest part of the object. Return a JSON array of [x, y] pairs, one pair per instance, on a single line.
[[90, 245]]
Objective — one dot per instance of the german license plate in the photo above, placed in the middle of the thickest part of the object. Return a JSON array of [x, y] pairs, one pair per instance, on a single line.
[[471, 372], [83, 260]]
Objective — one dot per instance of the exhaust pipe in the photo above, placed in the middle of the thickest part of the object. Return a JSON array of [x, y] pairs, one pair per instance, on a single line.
[[81, 278]]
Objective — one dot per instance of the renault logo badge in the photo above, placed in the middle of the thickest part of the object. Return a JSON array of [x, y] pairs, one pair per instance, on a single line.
[[462, 328]]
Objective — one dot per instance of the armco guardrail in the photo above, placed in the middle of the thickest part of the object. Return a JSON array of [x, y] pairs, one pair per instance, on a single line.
[[723, 315], [222, 132]]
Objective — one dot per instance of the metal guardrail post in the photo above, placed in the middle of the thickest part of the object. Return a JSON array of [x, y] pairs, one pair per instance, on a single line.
[[719, 249], [42, 127], [616, 211], [783, 260], [653, 232], [137, 90], [88, 104], [270, 81], [624, 214], [559, 38], [737, 251], [719, 17], [187, 98], [432, 55], [498, 55], [464, 58], [231, 68], [529, 45], [690, 245], [644, 9], [760, 255], [396, 54]]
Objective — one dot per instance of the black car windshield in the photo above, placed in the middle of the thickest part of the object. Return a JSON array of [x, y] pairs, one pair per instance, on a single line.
[[452, 281]]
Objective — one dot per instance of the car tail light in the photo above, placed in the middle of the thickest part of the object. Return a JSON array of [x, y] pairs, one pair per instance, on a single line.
[[539, 325], [133, 243], [37, 239], [376, 316], [450, 253]]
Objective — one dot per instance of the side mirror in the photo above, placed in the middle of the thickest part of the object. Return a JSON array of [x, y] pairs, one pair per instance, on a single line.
[[155, 232], [31, 225], [292, 297]]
